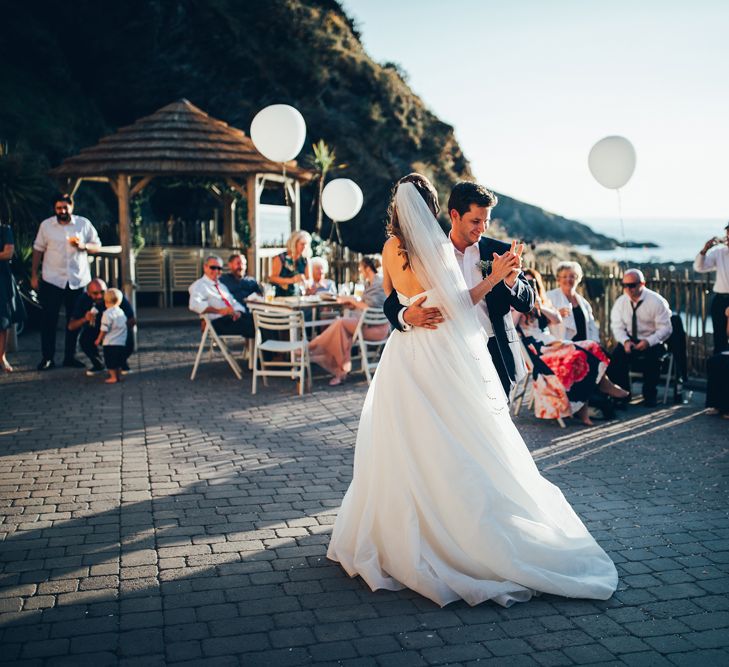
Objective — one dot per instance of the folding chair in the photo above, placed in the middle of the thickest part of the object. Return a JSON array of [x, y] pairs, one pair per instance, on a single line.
[[371, 317], [209, 334], [521, 387], [520, 390], [668, 373], [298, 365]]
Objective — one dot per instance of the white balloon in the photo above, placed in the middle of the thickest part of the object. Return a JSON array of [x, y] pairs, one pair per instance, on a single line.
[[279, 132], [341, 199], [612, 161]]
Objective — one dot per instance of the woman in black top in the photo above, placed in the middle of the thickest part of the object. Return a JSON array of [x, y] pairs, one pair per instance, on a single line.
[[11, 307]]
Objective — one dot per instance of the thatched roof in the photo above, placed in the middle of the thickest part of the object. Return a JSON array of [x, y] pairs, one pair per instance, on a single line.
[[177, 140]]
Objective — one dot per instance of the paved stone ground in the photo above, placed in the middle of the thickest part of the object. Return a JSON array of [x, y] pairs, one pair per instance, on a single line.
[[169, 522]]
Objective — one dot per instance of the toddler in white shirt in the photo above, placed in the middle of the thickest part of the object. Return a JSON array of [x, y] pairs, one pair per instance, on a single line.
[[113, 334]]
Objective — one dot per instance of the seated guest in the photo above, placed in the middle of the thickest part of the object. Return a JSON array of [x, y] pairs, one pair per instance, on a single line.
[[332, 348], [578, 322], [87, 312], [320, 284], [640, 321], [566, 372], [290, 269], [209, 296], [238, 283]]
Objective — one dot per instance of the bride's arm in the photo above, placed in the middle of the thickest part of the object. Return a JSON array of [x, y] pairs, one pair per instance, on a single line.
[[386, 279]]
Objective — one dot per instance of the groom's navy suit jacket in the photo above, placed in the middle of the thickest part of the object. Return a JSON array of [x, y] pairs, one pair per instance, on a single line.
[[504, 345]]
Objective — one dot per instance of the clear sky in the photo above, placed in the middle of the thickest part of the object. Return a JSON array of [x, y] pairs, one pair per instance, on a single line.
[[531, 85]]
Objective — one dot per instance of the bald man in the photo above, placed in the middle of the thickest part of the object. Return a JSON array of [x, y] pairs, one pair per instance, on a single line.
[[87, 317], [641, 324]]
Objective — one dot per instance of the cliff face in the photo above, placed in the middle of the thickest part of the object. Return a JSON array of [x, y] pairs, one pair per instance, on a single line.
[[73, 72]]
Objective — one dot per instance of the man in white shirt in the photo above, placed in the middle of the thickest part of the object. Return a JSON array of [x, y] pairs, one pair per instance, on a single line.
[[717, 260], [640, 321], [209, 296], [63, 242]]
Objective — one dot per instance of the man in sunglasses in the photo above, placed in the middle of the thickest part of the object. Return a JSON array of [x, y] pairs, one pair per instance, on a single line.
[[641, 324], [211, 297]]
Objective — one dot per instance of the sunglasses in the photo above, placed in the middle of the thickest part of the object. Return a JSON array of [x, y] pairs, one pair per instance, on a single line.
[[631, 285], [215, 268]]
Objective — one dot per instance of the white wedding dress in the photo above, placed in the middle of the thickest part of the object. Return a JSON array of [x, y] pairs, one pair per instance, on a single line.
[[445, 498]]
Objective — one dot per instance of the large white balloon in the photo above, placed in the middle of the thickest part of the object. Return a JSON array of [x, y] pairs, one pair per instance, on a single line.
[[279, 132], [612, 161], [341, 199]]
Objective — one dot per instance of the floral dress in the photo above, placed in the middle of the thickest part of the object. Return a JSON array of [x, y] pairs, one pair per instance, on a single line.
[[289, 269], [565, 377]]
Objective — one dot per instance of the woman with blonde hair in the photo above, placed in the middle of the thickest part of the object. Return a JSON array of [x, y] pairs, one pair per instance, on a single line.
[[290, 269], [566, 372]]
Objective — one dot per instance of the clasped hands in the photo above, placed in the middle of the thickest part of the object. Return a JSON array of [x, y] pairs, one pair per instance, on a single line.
[[640, 346], [504, 267]]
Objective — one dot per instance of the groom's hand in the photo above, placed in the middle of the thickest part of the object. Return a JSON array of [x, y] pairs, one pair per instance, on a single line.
[[417, 316], [506, 267]]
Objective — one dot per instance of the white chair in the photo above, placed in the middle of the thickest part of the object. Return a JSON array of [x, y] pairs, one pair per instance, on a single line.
[[298, 365], [371, 317], [217, 340], [525, 388]]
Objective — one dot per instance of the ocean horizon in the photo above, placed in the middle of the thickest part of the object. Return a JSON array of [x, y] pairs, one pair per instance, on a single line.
[[678, 239]]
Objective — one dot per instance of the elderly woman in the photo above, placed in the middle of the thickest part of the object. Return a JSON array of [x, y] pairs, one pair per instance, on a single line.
[[320, 284], [578, 322], [565, 372], [332, 348], [289, 269]]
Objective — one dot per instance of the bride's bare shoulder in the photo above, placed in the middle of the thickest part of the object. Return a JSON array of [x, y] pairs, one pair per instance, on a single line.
[[391, 247]]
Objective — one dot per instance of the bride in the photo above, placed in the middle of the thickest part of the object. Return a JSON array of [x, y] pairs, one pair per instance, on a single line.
[[445, 497]]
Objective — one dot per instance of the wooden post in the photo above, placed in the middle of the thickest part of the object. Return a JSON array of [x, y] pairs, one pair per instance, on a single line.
[[228, 220], [252, 197], [125, 238]]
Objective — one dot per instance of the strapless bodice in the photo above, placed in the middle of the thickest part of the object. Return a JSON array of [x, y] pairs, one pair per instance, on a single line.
[[407, 300]]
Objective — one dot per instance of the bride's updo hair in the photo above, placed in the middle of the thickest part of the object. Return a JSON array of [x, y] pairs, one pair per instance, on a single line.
[[429, 195]]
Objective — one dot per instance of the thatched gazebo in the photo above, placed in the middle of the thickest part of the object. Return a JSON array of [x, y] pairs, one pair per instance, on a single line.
[[180, 140]]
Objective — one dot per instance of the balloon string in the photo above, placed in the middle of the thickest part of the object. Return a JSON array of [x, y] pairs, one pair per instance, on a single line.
[[622, 226], [286, 190]]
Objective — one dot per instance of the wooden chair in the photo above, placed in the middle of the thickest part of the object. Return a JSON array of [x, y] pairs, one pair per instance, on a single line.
[[298, 365], [371, 317], [209, 335], [150, 273]]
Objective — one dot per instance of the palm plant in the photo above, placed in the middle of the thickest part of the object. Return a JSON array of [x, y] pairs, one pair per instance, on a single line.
[[323, 162]]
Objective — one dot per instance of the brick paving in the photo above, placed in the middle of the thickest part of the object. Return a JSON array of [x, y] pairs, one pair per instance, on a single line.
[[164, 522]]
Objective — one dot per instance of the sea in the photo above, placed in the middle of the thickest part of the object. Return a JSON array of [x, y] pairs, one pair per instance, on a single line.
[[678, 240]]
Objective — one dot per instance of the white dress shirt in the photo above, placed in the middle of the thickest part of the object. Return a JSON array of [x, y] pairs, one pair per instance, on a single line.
[[469, 261], [717, 259], [63, 263], [653, 317], [205, 292], [567, 328]]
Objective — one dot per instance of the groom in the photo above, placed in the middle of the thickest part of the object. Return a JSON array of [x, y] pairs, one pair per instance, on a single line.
[[469, 209]]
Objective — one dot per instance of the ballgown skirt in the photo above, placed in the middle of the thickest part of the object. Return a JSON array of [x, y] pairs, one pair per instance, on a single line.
[[446, 499]]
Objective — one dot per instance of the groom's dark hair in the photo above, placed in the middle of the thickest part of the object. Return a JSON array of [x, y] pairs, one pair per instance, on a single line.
[[465, 193]]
